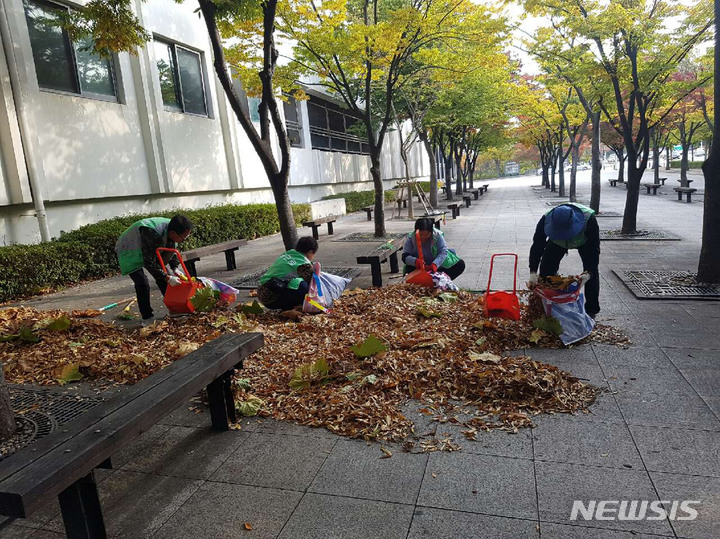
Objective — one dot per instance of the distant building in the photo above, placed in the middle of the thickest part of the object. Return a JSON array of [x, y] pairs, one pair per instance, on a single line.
[[512, 168], [151, 132]]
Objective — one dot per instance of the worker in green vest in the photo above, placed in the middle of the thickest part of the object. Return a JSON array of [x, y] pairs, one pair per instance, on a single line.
[[437, 255], [136, 250], [568, 226], [285, 283]]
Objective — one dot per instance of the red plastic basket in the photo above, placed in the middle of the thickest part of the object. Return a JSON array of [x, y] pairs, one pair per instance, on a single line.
[[177, 298], [502, 304]]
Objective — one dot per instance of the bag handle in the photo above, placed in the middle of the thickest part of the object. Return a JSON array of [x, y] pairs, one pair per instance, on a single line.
[[162, 262], [492, 261]]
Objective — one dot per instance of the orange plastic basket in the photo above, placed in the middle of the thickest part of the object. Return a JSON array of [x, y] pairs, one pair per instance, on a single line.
[[177, 298], [502, 304], [418, 276]]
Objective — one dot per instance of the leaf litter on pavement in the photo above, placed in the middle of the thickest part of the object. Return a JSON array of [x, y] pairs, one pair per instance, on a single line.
[[351, 371]]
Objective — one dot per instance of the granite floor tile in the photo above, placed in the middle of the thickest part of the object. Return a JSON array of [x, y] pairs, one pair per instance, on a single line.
[[560, 485], [275, 461], [357, 469], [319, 517], [694, 452], [704, 490], [443, 524], [221, 510], [480, 484]]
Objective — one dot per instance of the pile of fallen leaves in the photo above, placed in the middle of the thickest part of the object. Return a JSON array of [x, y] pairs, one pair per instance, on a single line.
[[350, 371]]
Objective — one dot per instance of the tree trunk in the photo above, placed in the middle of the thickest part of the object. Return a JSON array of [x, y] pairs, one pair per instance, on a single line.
[[410, 183], [545, 176], [288, 228], [561, 172], [656, 162], [709, 263], [433, 170], [497, 167], [573, 172], [553, 168], [448, 177], [667, 158], [596, 164], [7, 417], [376, 174], [684, 166], [635, 174], [621, 171]]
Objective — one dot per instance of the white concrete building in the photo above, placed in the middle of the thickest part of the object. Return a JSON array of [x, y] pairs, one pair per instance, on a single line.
[[91, 139]]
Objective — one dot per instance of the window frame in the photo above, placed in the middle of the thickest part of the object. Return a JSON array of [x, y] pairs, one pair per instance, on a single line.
[[333, 137], [173, 46], [112, 61]]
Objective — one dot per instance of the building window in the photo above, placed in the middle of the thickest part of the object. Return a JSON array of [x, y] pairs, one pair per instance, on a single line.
[[333, 129], [292, 122], [182, 83], [61, 64]]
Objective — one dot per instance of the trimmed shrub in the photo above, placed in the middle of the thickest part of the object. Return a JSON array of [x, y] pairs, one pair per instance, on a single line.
[[357, 200], [89, 251], [691, 164]]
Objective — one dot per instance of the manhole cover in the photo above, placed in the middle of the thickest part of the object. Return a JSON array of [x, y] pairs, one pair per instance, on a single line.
[[640, 235], [667, 285], [369, 236], [252, 280], [39, 412]]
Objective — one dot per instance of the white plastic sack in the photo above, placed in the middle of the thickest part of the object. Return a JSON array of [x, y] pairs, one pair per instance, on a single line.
[[569, 310], [332, 286], [444, 282]]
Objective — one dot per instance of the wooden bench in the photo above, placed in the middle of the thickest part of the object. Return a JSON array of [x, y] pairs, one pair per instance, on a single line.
[[229, 247], [401, 203], [686, 190], [62, 463], [475, 192], [369, 210], [485, 186], [613, 183], [467, 199], [315, 224], [437, 218], [455, 208], [662, 180], [379, 255], [653, 186]]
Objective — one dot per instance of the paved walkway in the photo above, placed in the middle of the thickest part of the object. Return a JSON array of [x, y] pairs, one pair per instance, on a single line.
[[654, 435]]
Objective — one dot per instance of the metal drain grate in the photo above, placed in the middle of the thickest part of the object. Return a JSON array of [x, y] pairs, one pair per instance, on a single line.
[[667, 285], [369, 236], [252, 280], [608, 214], [39, 412], [560, 202], [641, 235]]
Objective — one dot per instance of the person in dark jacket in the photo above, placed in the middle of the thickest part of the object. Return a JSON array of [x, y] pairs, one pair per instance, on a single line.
[[285, 283], [568, 226], [436, 254], [136, 250]]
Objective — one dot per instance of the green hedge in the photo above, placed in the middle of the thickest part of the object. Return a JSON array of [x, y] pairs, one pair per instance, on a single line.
[[357, 200], [89, 251], [691, 164]]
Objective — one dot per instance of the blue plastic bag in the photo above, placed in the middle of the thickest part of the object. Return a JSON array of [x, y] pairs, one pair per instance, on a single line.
[[569, 309]]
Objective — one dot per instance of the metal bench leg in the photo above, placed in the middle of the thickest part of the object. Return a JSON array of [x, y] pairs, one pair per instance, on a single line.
[[330, 229], [376, 275], [467, 202], [230, 260], [369, 215], [316, 234], [394, 267], [680, 196], [191, 268], [688, 197], [219, 401], [81, 511]]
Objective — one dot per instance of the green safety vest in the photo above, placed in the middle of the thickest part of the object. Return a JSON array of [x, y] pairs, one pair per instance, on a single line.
[[285, 267], [129, 245], [579, 239], [450, 260]]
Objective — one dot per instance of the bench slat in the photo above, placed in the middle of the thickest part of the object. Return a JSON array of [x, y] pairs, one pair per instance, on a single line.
[[207, 250], [27, 489]]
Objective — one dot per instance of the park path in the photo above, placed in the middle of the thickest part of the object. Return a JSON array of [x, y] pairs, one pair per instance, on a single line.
[[654, 435]]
